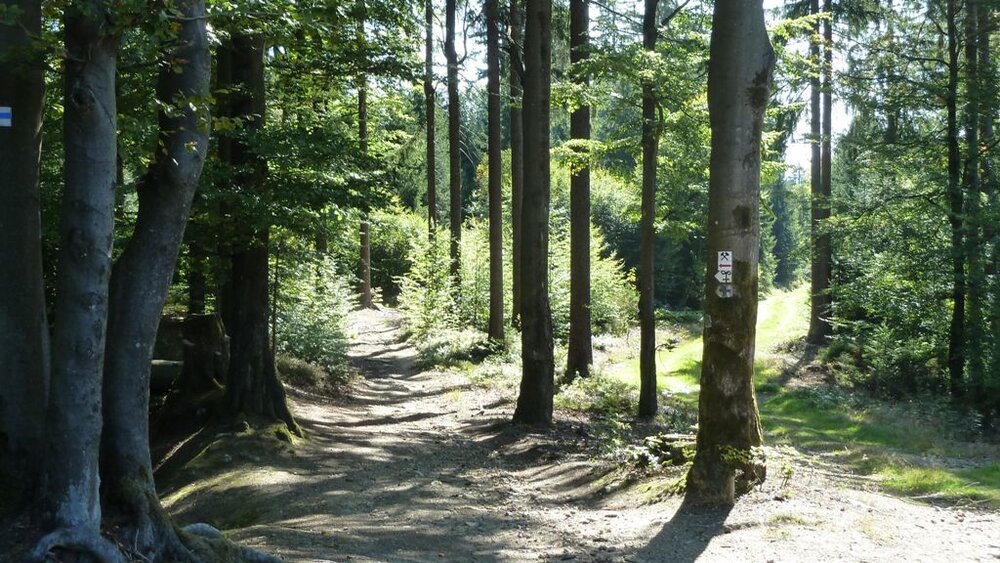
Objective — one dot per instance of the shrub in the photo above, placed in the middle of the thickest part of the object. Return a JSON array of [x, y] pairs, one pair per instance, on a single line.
[[313, 303]]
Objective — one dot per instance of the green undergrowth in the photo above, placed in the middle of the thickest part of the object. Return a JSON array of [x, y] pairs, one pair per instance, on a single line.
[[917, 448]]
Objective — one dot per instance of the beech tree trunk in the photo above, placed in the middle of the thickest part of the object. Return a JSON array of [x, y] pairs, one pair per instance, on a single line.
[[740, 64], [73, 422], [432, 216], [495, 172], [647, 317], [515, 45], [24, 331], [253, 387], [454, 148], [534, 403], [956, 204], [140, 282], [580, 354]]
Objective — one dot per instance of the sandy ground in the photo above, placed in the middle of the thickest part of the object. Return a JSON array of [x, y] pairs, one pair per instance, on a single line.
[[416, 466]]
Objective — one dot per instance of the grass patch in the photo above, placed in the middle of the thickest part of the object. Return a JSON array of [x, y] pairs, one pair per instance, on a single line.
[[906, 444], [979, 485]]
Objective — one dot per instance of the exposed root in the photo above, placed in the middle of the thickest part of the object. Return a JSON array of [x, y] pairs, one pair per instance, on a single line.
[[76, 541]]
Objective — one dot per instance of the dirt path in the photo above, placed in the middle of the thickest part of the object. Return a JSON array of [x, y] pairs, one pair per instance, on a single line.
[[421, 466]]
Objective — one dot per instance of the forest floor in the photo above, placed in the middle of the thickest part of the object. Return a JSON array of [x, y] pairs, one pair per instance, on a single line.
[[412, 465]]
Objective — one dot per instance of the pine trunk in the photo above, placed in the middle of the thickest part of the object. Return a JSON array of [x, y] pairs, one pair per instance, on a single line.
[[24, 332], [516, 152], [454, 148], [534, 403], [956, 333], [365, 263], [495, 172], [580, 354], [740, 64], [647, 319], [974, 218], [819, 325], [431, 108]]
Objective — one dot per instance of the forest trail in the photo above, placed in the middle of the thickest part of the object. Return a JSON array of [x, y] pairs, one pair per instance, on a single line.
[[417, 466]]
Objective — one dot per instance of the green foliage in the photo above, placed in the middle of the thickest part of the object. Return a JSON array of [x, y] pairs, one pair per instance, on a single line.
[[425, 291], [312, 305]]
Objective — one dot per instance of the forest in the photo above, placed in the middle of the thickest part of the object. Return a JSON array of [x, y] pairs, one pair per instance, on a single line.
[[510, 280]]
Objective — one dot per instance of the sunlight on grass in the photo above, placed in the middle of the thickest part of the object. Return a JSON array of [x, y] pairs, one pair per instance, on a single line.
[[781, 318], [980, 485], [867, 436]]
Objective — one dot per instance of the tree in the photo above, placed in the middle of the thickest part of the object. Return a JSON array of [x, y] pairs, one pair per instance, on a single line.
[[431, 109], [253, 386], [24, 333], [454, 140], [495, 172], [580, 354], [365, 263], [740, 64], [86, 233], [514, 44], [819, 322], [647, 318], [534, 403], [140, 282], [956, 201]]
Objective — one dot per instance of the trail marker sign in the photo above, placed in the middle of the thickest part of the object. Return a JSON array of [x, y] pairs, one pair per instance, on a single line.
[[6, 117], [724, 276]]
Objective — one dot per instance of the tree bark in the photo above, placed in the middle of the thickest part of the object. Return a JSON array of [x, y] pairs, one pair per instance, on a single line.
[[365, 264], [515, 44], [740, 64], [819, 324], [974, 219], [253, 387], [24, 332], [140, 283], [73, 422], [647, 318], [534, 403], [432, 215], [580, 354], [956, 332], [454, 148], [495, 173]]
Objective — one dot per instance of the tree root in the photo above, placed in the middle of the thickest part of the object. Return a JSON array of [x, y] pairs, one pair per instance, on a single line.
[[78, 541]]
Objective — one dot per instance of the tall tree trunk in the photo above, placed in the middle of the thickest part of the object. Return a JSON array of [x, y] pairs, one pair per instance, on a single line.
[[365, 264], [454, 148], [432, 216], [974, 219], [987, 83], [495, 174], [86, 233], [580, 354], [515, 45], [253, 385], [740, 64], [956, 333], [819, 324], [140, 282], [534, 403], [24, 332], [647, 318]]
